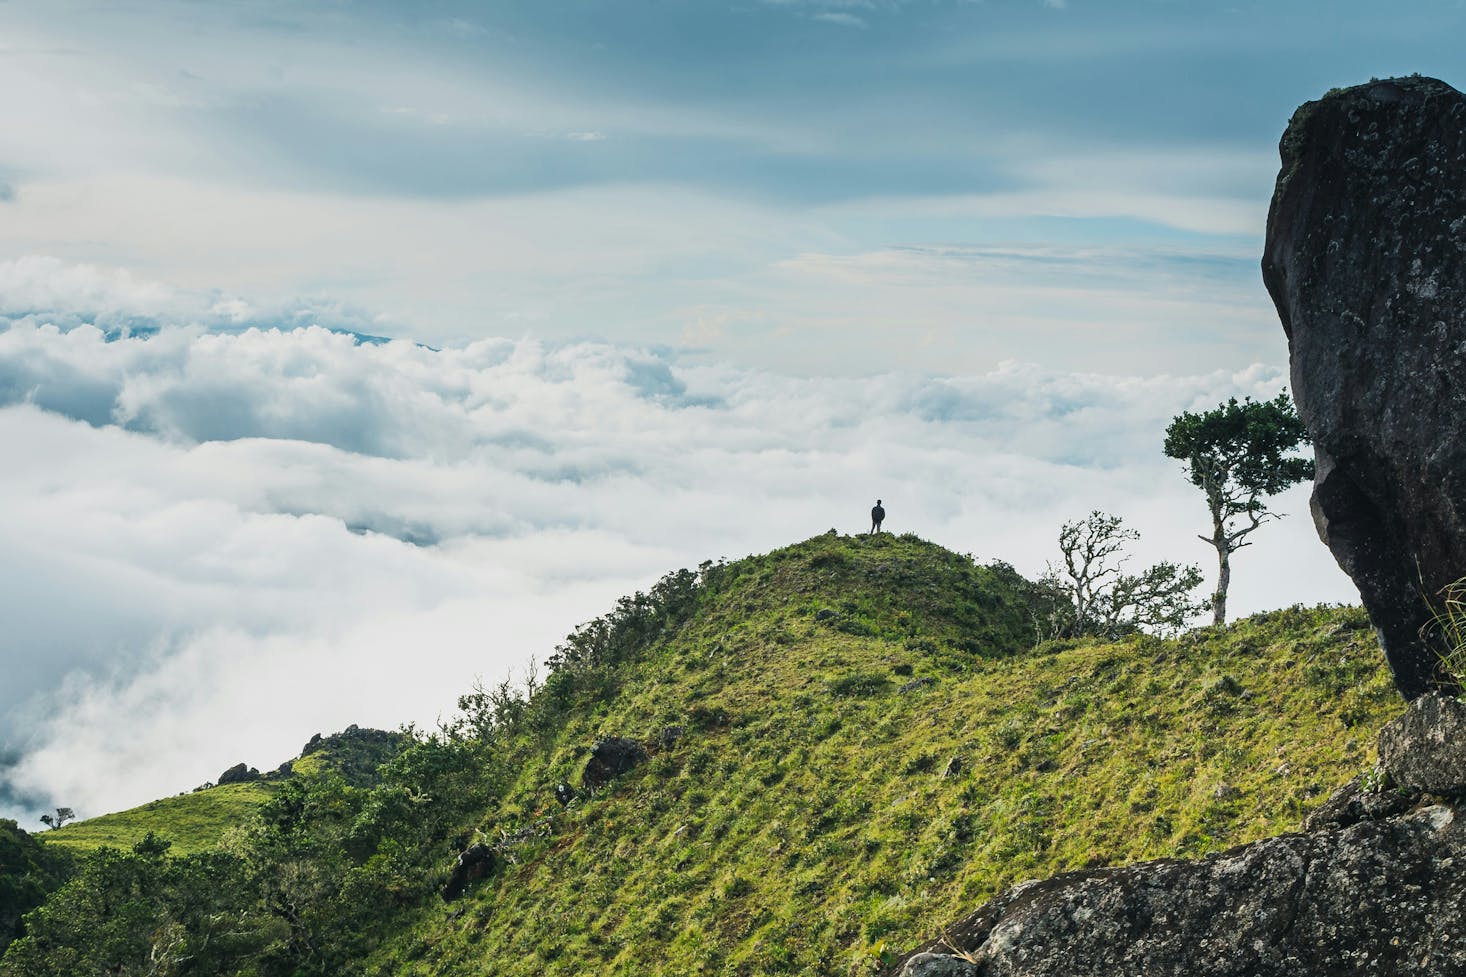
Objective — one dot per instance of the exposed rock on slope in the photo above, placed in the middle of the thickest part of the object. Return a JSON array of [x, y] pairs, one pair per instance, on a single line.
[[609, 759], [1354, 895], [1366, 262]]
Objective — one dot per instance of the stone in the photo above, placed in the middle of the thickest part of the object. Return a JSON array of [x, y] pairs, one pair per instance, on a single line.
[[1380, 897], [1425, 748], [564, 793], [610, 758], [669, 736], [474, 863], [1365, 260], [238, 774], [1353, 803], [916, 683], [938, 965]]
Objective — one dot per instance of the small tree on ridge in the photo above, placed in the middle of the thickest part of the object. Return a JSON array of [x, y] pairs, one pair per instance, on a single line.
[[63, 814], [1239, 454], [1094, 594]]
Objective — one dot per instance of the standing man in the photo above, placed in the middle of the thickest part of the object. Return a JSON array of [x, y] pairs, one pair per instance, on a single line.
[[877, 515]]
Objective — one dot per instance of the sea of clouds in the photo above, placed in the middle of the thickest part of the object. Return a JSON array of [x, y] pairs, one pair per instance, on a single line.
[[226, 529]]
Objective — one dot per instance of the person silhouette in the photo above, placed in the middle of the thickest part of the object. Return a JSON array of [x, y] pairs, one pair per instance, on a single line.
[[877, 516]]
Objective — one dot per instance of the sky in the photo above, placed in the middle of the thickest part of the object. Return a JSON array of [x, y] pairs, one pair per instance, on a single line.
[[354, 351]]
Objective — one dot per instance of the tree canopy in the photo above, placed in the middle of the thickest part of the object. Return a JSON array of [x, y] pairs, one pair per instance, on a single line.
[[1239, 453]]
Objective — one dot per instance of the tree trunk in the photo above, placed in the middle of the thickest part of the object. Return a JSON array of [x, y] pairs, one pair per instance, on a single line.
[[1224, 580]]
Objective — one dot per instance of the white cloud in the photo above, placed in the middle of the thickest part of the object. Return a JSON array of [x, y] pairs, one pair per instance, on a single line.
[[218, 544], [842, 19], [41, 282]]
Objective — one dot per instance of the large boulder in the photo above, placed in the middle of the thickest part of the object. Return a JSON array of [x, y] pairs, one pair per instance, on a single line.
[[1366, 262], [1373, 888], [240, 773], [610, 758], [1415, 750]]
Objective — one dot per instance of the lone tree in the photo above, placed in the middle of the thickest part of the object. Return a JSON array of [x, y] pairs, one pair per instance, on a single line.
[[1239, 454], [1092, 595], [63, 814]]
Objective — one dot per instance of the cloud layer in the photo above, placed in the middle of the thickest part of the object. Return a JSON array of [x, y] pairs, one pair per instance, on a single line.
[[221, 542]]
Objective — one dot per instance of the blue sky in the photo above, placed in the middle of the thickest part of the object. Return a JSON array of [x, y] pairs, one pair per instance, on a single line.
[[815, 186], [671, 281]]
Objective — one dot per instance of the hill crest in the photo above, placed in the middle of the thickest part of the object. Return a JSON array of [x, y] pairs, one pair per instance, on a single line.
[[869, 741]]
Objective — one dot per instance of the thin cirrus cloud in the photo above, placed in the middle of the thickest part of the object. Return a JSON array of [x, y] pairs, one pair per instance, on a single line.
[[223, 535]]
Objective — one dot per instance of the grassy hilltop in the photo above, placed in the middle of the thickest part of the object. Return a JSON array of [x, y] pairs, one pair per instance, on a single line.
[[869, 745], [197, 821]]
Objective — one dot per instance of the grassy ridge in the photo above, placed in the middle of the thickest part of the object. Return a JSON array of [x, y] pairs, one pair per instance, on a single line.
[[196, 822], [867, 745], [192, 822], [815, 816]]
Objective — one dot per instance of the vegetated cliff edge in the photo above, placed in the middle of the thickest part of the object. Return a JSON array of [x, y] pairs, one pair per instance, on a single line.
[[846, 742]]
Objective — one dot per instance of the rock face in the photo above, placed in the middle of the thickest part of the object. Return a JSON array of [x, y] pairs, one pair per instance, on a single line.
[[474, 863], [609, 759], [1366, 262], [1413, 749], [1376, 886], [240, 773]]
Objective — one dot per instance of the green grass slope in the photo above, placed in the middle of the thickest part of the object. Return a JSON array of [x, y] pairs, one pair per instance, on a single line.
[[196, 822], [822, 811], [192, 822], [28, 871], [868, 746]]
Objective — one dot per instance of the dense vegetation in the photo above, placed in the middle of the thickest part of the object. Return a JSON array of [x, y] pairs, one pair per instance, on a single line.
[[28, 871], [852, 740]]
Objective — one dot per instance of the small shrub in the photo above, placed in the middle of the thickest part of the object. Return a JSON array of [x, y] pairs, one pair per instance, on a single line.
[[858, 684], [1446, 630]]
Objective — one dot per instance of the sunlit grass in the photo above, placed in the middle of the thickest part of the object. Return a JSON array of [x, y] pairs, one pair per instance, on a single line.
[[814, 812], [192, 822]]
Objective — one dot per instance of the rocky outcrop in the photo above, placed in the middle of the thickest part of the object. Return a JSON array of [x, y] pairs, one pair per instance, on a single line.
[[1366, 262], [1376, 886], [610, 758], [474, 863], [240, 773], [1417, 748], [356, 752]]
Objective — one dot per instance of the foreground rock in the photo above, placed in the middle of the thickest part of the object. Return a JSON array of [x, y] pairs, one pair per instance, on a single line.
[[1366, 262], [1377, 887], [1417, 749]]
